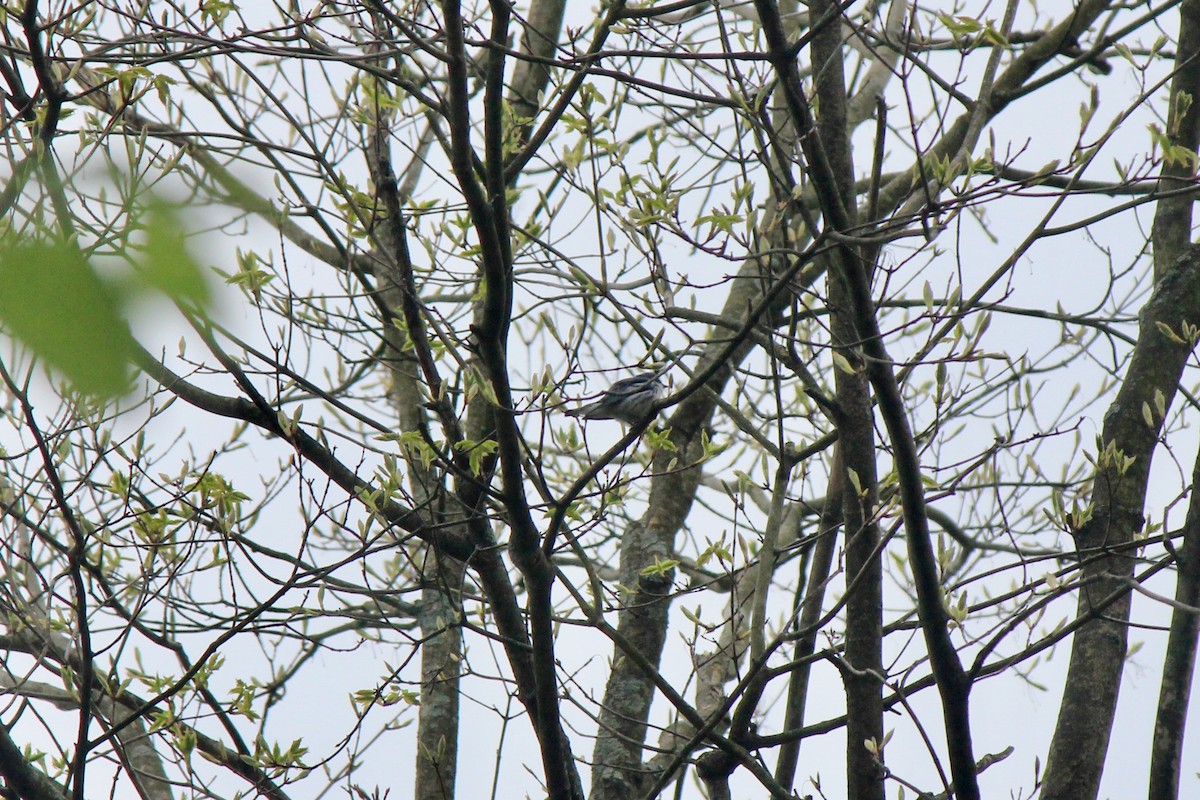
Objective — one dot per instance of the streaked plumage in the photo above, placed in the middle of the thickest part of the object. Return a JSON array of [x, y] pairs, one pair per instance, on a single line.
[[629, 400]]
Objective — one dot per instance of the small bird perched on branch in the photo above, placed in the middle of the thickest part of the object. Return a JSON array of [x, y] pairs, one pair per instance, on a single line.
[[629, 400]]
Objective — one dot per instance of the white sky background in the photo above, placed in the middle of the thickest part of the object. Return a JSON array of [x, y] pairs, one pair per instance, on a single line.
[[1065, 270]]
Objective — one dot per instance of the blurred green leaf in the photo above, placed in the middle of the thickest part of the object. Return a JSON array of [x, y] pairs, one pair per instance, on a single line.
[[166, 264], [73, 317], [52, 300]]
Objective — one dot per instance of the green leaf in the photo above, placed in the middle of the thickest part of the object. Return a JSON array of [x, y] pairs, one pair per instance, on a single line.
[[1166, 331], [216, 10], [54, 302], [961, 25], [166, 264], [477, 452], [843, 363], [855, 480], [660, 567]]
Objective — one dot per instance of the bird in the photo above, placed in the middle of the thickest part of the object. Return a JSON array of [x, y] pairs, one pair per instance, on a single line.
[[629, 400]]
